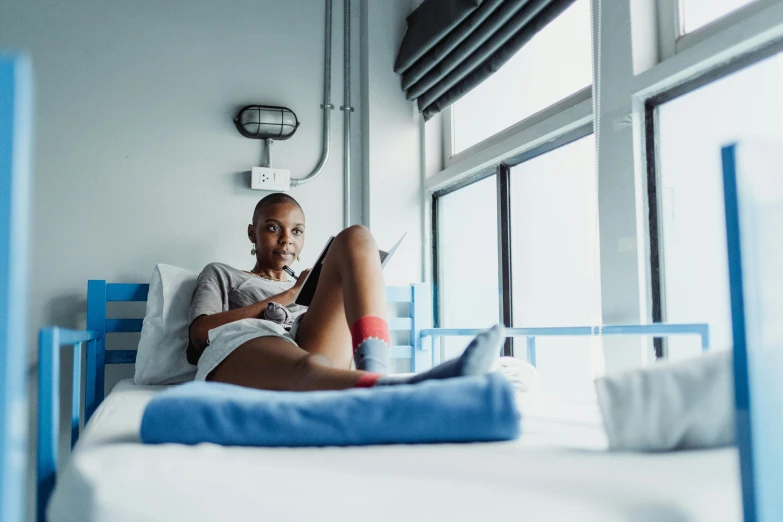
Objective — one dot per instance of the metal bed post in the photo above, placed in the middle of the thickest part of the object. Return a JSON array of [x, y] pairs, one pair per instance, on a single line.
[[753, 202], [15, 152], [96, 354]]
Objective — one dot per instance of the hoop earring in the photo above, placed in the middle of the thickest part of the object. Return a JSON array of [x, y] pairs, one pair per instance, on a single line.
[[253, 251]]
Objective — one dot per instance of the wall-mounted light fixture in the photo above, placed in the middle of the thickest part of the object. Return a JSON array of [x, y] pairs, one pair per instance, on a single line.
[[264, 122]]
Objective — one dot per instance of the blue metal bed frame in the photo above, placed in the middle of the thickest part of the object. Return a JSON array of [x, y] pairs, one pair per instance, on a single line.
[[99, 293], [15, 151]]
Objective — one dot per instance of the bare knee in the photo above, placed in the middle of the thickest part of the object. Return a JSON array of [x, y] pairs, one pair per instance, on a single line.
[[356, 236]]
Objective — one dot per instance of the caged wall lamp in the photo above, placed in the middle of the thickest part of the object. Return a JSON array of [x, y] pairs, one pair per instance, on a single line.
[[265, 122]]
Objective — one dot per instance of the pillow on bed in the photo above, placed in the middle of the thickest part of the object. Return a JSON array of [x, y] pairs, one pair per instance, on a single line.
[[161, 356]]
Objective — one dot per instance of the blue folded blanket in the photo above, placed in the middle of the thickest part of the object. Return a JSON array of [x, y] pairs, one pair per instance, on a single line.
[[479, 408]]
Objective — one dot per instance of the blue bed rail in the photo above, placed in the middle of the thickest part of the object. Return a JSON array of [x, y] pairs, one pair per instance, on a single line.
[[653, 330], [50, 340]]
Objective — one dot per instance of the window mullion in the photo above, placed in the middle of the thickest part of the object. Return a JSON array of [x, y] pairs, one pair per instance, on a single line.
[[504, 257]]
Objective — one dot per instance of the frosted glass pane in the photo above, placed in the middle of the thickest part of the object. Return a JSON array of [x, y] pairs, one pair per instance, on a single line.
[[554, 64], [555, 254], [692, 130], [468, 259], [698, 13]]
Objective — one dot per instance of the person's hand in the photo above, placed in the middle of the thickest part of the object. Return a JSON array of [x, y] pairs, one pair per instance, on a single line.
[[300, 281]]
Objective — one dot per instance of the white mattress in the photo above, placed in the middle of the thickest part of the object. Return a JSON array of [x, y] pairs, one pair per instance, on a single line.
[[550, 474]]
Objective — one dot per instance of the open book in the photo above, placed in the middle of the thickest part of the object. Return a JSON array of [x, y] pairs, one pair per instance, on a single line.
[[306, 292]]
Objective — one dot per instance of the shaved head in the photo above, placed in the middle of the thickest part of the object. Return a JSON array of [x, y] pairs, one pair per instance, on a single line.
[[270, 200]]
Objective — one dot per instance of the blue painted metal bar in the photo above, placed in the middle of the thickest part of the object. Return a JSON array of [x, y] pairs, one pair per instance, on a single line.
[[521, 332], [126, 292], [740, 356], [90, 402], [123, 325], [655, 330], [96, 321], [48, 416], [753, 200], [531, 350], [120, 356], [67, 336], [398, 294], [15, 156], [421, 315]]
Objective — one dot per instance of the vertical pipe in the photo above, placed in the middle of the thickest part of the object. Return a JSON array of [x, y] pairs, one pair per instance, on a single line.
[[326, 105], [347, 110]]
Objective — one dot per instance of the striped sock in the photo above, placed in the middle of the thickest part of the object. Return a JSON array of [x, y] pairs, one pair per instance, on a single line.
[[370, 335], [477, 359]]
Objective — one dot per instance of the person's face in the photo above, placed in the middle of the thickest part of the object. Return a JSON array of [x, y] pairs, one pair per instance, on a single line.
[[278, 235]]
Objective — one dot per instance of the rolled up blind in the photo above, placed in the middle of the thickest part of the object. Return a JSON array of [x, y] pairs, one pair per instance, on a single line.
[[451, 46]]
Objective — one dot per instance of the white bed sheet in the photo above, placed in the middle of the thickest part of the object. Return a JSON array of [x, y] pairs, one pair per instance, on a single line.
[[556, 472]]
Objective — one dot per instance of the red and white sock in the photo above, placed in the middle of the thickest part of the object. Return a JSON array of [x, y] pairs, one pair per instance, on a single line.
[[370, 336]]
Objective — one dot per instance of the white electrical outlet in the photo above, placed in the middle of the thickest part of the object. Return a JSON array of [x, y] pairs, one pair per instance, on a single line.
[[270, 179]]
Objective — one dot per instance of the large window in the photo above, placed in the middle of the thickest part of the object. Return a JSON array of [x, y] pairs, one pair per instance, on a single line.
[[678, 79], [698, 13], [555, 271], [691, 130], [553, 65], [552, 222], [468, 250]]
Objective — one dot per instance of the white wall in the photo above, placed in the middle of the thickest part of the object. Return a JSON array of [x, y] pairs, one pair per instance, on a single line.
[[137, 160], [390, 143]]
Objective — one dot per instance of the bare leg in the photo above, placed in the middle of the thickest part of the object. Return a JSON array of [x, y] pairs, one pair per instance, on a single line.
[[351, 286], [271, 363]]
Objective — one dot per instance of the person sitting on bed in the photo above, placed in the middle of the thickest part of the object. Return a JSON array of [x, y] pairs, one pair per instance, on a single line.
[[231, 342]]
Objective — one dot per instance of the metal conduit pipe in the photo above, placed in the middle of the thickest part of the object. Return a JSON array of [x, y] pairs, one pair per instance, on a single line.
[[347, 110], [326, 106]]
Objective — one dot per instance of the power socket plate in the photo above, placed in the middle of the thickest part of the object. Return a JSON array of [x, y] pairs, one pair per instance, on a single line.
[[270, 179]]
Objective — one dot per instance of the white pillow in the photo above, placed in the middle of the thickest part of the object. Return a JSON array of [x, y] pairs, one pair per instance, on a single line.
[[161, 357]]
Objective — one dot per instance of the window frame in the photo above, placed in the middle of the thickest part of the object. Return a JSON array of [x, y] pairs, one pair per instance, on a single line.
[[654, 201], [502, 172], [672, 37]]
